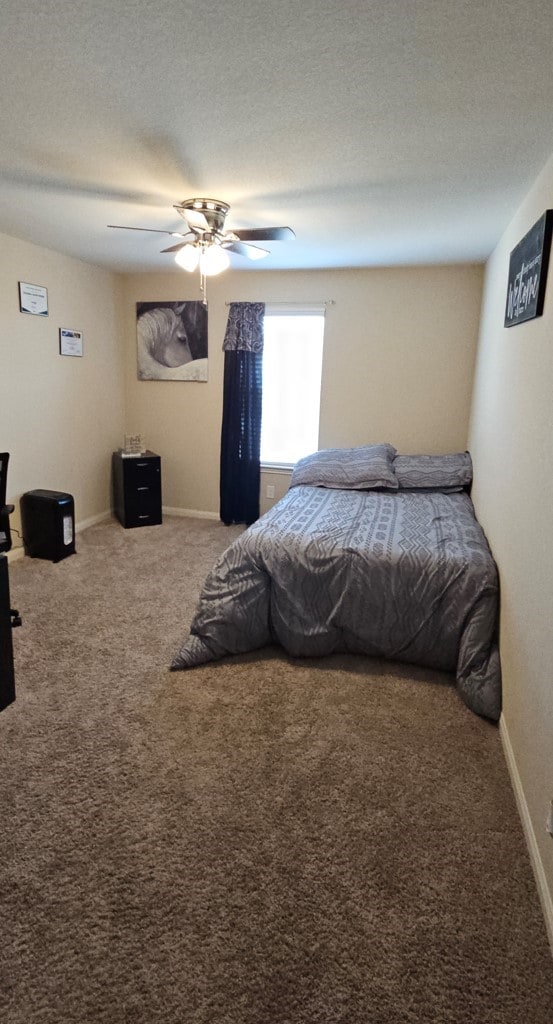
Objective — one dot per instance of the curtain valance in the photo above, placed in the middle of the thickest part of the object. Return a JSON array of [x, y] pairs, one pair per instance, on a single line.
[[244, 331]]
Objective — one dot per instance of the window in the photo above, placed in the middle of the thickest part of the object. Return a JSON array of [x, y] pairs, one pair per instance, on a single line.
[[292, 364]]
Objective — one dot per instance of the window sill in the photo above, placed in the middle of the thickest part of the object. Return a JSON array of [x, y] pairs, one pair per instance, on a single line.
[[277, 467]]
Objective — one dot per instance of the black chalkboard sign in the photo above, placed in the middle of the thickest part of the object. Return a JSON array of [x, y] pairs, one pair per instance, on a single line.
[[528, 273]]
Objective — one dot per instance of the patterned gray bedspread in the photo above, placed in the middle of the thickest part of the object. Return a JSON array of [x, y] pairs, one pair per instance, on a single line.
[[400, 575]]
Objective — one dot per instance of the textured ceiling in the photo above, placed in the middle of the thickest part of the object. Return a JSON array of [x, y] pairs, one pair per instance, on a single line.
[[382, 131]]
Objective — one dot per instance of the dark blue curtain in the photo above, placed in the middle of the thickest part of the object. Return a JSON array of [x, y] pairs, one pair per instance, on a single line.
[[241, 427]]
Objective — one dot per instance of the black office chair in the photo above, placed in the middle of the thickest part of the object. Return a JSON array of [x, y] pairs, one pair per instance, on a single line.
[[5, 513], [5, 510]]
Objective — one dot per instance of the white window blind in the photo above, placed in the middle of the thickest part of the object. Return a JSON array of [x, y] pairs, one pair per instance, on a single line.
[[292, 365]]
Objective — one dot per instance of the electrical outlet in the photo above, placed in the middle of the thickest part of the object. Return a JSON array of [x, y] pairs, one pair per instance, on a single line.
[[270, 490], [549, 822]]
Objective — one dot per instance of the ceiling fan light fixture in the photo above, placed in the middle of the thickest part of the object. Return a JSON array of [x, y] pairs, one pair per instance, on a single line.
[[188, 257], [213, 260], [210, 244]]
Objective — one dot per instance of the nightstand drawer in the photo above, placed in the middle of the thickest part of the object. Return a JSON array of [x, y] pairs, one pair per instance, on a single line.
[[143, 499], [142, 492], [142, 517], [141, 472]]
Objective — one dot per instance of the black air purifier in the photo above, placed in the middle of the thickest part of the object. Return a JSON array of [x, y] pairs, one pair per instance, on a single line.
[[48, 524]]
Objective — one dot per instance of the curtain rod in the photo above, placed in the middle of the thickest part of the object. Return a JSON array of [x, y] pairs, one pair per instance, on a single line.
[[296, 302]]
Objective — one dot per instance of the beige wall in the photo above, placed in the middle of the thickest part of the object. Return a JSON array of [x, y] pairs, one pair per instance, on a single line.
[[511, 440], [398, 366], [60, 416]]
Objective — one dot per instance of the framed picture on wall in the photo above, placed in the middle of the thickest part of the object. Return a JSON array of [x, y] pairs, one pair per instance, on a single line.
[[33, 298], [71, 342], [528, 267], [171, 340]]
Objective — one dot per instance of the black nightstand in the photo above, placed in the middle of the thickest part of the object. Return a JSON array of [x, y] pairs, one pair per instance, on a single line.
[[137, 489]]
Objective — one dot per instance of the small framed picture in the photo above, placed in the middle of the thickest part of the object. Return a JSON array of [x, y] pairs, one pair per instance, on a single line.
[[71, 342], [33, 298]]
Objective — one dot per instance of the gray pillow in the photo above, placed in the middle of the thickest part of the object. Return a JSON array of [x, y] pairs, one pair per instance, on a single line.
[[365, 468], [433, 472]]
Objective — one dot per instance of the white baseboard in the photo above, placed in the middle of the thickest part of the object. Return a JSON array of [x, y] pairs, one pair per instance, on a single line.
[[15, 554], [92, 520], [546, 897], [190, 512], [19, 552]]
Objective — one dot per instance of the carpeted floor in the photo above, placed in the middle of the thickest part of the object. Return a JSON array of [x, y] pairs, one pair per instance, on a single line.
[[257, 841]]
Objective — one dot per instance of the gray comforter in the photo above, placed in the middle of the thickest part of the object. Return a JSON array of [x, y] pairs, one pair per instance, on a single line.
[[407, 576]]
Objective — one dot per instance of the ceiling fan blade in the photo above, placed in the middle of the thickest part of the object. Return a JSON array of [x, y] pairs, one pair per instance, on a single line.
[[175, 248], [264, 234], [157, 231], [194, 218], [253, 252]]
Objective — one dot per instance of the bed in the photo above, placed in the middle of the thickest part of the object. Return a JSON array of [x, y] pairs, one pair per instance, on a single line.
[[368, 553]]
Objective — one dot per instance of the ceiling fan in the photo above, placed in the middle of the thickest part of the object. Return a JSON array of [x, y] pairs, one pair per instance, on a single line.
[[206, 243]]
